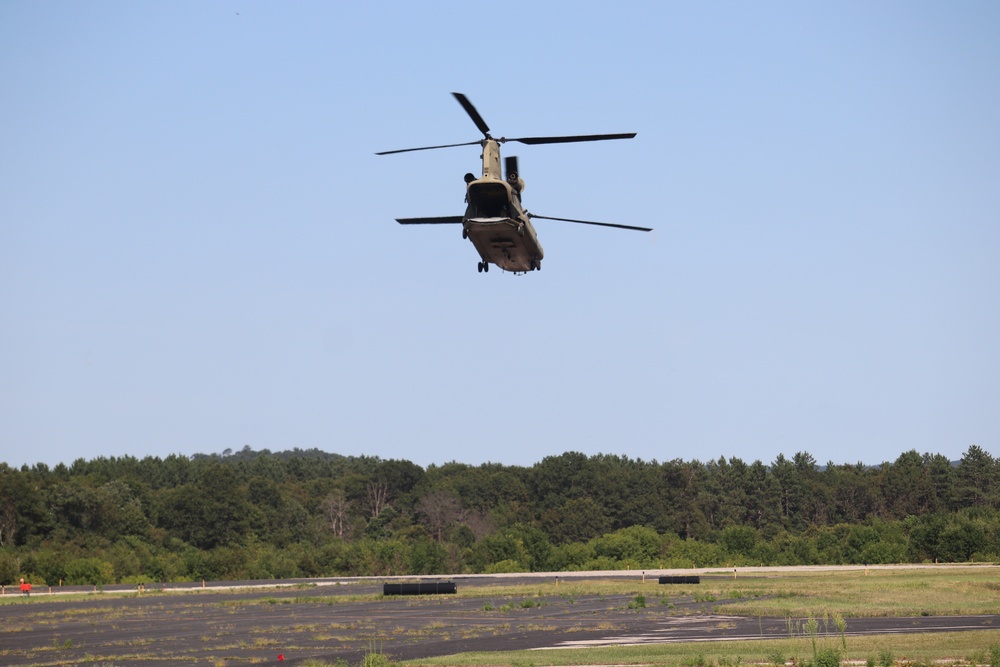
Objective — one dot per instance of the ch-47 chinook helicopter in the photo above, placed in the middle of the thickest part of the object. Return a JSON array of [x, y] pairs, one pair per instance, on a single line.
[[495, 221]]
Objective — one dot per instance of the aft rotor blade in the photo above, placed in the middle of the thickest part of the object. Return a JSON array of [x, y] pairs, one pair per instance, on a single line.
[[510, 165], [446, 220], [572, 139], [588, 222], [428, 148], [473, 114]]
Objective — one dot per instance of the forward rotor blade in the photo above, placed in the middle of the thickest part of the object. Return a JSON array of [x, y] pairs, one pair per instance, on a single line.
[[446, 220], [473, 114], [572, 139], [588, 222], [428, 148]]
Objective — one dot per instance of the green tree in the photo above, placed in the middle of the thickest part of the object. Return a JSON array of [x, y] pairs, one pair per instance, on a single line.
[[925, 535], [119, 511], [10, 568], [427, 557], [906, 486], [577, 520], [942, 476], [635, 546], [854, 492], [959, 540], [681, 483], [556, 479], [525, 545], [210, 513], [93, 571], [739, 540], [977, 478]]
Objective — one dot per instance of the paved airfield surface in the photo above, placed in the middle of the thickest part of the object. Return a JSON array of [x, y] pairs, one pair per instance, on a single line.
[[326, 619]]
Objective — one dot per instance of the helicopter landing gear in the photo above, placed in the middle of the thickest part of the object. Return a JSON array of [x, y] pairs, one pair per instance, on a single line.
[[484, 267], [536, 265], [465, 233]]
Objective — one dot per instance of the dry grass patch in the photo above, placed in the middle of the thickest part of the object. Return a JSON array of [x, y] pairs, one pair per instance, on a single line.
[[963, 649], [928, 592]]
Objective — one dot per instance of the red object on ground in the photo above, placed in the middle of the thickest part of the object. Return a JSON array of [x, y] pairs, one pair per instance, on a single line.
[[281, 657]]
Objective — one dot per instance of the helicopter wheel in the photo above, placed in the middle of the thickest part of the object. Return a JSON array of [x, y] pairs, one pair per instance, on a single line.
[[486, 267], [465, 233], [480, 267]]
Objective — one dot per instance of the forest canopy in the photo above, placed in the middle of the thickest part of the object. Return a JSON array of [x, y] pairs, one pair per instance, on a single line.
[[303, 513]]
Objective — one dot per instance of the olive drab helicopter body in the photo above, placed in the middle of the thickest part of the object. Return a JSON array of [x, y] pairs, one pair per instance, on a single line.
[[495, 220]]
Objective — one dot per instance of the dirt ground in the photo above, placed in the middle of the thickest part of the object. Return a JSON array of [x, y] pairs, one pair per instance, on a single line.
[[232, 625]]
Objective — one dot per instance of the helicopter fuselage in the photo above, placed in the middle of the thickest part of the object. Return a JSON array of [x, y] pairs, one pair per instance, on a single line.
[[495, 221]]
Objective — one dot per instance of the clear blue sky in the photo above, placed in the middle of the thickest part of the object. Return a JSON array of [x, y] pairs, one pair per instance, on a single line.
[[198, 248]]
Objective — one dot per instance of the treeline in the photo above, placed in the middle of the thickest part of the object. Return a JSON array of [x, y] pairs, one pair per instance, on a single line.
[[257, 514]]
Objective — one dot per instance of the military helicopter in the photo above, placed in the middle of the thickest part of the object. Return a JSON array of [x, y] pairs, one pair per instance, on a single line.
[[495, 220]]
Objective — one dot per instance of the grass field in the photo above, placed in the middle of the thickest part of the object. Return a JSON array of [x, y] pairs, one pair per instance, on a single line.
[[973, 648], [938, 591]]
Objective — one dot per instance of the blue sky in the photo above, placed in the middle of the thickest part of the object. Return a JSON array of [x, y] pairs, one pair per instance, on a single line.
[[198, 248]]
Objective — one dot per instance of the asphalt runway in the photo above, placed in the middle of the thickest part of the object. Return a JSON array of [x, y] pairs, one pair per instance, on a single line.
[[225, 623]]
